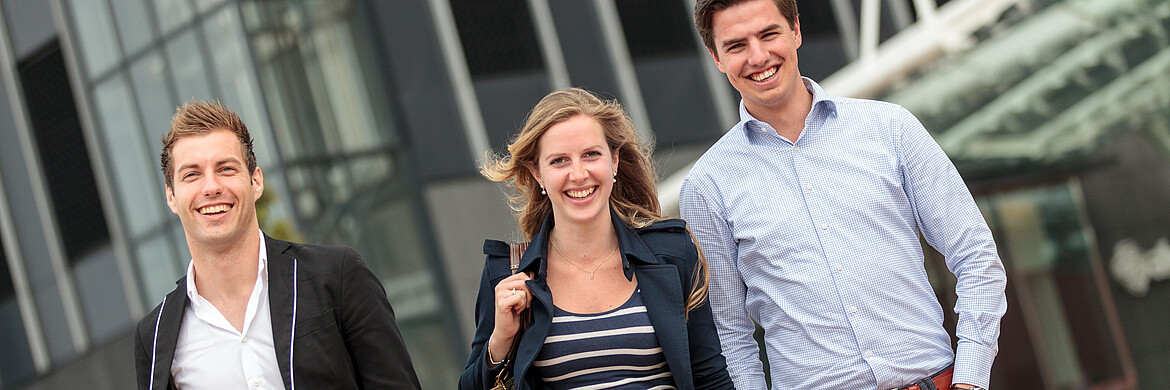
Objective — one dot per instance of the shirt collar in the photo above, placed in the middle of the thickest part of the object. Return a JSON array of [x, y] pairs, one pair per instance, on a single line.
[[821, 101], [261, 270]]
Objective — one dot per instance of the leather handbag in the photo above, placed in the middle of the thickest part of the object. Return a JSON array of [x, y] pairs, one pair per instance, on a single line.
[[505, 380]]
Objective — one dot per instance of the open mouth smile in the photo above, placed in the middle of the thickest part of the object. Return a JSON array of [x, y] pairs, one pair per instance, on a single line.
[[765, 75], [215, 209], [581, 194]]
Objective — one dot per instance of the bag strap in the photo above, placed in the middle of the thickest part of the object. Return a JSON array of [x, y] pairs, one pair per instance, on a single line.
[[515, 253]]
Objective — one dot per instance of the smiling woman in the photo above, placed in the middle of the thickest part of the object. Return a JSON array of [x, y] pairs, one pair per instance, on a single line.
[[584, 187]]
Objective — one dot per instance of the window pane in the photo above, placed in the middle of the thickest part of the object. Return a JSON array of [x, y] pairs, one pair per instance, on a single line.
[[96, 34], [171, 13], [155, 101], [133, 23], [157, 268], [127, 153], [237, 86], [186, 60]]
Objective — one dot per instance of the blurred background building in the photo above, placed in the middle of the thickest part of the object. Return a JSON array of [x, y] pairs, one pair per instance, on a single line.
[[370, 116]]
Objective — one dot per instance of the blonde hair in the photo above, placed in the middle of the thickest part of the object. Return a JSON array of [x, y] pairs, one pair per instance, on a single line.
[[635, 196], [200, 118]]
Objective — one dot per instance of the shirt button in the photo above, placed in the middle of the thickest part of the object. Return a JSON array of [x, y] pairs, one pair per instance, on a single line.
[[808, 187], [255, 383], [839, 267], [824, 226], [868, 353], [244, 340], [853, 309], [795, 148]]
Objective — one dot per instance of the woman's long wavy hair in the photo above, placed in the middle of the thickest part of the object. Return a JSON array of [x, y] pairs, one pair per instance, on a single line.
[[634, 197]]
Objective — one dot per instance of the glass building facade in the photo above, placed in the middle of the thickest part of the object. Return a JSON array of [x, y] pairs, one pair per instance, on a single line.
[[370, 116]]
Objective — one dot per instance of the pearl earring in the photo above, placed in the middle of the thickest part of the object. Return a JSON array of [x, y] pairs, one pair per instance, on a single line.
[[615, 176], [542, 191]]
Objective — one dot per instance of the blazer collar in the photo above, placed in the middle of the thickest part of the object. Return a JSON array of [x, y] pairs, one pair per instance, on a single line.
[[634, 250]]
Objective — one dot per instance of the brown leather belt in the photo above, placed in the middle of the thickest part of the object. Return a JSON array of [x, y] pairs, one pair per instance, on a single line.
[[941, 381]]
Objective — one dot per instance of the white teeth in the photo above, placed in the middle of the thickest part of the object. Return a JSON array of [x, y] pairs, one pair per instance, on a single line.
[[581, 193], [215, 209], [765, 75]]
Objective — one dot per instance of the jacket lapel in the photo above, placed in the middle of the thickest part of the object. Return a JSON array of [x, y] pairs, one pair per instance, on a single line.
[[662, 294], [167, 335], [280, 303]]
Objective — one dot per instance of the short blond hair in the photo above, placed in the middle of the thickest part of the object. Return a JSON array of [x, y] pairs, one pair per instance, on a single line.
[[200, 118]]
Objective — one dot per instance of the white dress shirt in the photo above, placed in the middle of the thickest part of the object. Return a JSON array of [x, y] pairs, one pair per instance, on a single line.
[[212, 354]]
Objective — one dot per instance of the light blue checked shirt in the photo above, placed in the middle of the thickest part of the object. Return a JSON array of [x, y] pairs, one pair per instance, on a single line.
[[817, 240]]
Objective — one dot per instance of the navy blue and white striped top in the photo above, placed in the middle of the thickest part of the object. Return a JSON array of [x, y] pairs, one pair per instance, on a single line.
[[616, 349]]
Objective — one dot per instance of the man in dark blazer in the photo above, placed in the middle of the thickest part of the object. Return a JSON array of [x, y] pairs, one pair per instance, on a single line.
[[253, 311]]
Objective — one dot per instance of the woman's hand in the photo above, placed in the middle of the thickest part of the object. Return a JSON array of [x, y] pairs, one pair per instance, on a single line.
[[512, 297]]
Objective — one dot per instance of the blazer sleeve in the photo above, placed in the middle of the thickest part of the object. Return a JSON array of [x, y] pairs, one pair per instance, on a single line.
[[476, 373], [141, 360], [708, 366], [375, 345]]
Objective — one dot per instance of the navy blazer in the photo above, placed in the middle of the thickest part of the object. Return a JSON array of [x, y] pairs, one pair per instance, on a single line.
[[346, 337], [664, 258]]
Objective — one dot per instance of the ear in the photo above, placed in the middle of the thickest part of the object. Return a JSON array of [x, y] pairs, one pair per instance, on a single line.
[[796, 32], [535, 173], [715, 57], [170, 194], [257, 183], [615, 159]]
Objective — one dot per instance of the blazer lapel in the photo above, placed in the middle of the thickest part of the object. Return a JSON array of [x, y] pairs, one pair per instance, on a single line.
[[280, 303], [167, 335], [662, 293]]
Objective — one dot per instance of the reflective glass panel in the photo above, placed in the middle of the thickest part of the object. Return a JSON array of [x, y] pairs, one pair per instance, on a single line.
[[187, 67], [172, 13], [133, 17], [131, 168], [96, 35], [155, 102]]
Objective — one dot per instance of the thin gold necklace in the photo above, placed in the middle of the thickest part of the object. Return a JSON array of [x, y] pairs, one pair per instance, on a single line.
[[599, 264]]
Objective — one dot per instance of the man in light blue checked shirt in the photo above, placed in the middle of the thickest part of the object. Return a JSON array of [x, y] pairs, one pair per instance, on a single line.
[[809, 212]]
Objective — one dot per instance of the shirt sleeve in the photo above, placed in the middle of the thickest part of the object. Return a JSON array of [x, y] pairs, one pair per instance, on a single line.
[[951, 222], [726, 292]]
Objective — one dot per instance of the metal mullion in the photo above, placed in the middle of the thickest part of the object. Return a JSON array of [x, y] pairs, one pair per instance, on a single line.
[[99, 165], [721, 95], [50, 235], [261, 95], [623, 67], [465, 98], [29, 316], [550, 44]]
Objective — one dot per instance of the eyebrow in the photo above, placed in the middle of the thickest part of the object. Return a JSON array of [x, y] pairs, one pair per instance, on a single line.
[[230, 160], [733, 41]]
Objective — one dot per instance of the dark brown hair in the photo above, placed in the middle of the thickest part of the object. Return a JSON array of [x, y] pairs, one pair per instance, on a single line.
[[706, 9], [200, 118]]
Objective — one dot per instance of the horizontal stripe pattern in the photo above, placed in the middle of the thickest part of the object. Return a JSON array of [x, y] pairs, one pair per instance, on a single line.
[[617, 349]]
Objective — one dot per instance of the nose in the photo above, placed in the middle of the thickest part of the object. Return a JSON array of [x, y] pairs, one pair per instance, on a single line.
[[757, 55], [211, 185], [578, 172]]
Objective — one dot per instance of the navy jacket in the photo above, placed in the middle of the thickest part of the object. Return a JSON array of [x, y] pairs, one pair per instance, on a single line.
[[346, 337], [662, 255]]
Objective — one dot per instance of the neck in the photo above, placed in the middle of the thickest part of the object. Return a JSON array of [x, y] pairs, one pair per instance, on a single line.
[[226, 271], [787, 117], [585, 242]]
